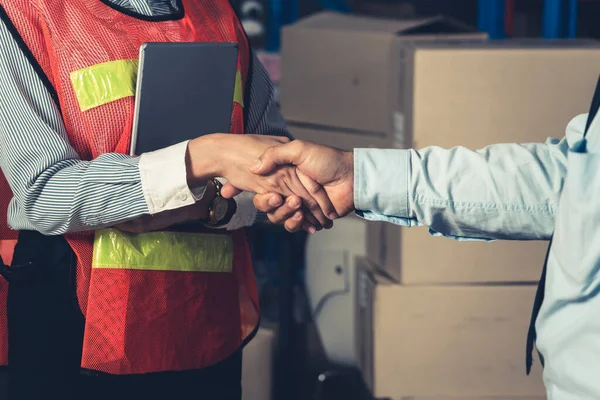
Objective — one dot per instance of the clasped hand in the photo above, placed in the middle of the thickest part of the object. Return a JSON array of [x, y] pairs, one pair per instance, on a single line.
[[300, 184]]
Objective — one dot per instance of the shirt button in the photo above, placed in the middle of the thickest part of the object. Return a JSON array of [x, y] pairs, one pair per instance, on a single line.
[[183, 197], [158, 203]]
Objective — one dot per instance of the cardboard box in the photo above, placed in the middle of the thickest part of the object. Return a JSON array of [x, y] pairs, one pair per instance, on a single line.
[[444, 341], [257, 366], [344, 71], [335, 137], [330, 281], [486, 93], [495, 92], [413, 256]]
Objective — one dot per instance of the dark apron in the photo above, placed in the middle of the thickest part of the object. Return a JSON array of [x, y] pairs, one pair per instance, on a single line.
[[45, 337]]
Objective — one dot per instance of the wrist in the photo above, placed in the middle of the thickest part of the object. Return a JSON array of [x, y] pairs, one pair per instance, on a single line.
[[203, 160], [348, 176], [348, 169], [220, 209], [348, 161]]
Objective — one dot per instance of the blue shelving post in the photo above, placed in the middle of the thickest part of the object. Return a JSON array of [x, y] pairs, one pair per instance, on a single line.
[[491, 18], [559, 19]]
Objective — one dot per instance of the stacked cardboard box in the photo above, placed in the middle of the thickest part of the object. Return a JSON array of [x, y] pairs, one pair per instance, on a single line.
[[439, 319], [444, 341], [340, 75], [354, 82], [485, 93], [257, 366]]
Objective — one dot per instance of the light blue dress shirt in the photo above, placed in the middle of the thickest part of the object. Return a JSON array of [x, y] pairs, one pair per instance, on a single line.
[[516, 192]]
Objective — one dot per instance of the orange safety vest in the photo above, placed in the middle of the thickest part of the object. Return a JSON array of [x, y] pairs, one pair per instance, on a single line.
[[6, 251], [8, 240], [137, 320]]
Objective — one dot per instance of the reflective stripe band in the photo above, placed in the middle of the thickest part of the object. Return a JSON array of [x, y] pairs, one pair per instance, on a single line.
[[163, 251], [238, 93], [103, 83]]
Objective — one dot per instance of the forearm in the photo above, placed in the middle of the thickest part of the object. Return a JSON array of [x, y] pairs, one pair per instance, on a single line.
[[74, 195], [505, 191]]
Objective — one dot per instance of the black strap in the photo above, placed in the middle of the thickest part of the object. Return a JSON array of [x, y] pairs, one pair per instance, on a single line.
[[539, 295], [537, 304], [3, 269], [593, 108]]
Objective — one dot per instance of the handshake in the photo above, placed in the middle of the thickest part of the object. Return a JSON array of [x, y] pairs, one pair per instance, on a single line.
[[299, 184]]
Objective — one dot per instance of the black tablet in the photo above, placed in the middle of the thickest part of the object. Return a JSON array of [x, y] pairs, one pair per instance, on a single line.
[[184, 90]]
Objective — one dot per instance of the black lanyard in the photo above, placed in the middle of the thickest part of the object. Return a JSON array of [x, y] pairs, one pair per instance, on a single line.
[[3, 269], [539, 295]]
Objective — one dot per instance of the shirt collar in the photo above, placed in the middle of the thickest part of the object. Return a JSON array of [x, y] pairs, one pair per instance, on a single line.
[[153, 8]]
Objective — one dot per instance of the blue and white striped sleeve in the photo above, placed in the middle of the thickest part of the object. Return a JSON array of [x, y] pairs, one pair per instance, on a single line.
[[55, 192]]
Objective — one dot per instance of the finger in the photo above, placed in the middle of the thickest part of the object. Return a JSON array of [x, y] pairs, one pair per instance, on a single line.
[[310, 203], [328, 225], [312, 220], [286, 211], [268, 202], [308, 227], [319, 194], [294, 224], [229, 191], [290, 153]]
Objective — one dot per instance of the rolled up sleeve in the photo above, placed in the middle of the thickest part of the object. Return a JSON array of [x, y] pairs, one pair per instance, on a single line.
[[504, 191]]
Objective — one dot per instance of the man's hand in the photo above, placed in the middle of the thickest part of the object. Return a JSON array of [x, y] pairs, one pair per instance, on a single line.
[[322, 170]]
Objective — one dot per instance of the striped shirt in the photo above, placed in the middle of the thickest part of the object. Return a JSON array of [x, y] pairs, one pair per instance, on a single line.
[[56, 192]]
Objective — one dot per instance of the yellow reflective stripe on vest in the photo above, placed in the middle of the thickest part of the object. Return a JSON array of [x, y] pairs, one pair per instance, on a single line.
[[163, 251], [104, 83], [107, 82], [238, 92]]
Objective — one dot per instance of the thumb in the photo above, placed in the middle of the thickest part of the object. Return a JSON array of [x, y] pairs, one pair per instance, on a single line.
[[229, 191], [284, 154]]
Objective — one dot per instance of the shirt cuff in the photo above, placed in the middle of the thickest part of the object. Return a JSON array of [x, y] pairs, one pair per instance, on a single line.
[[381, 179], [164, 179]]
